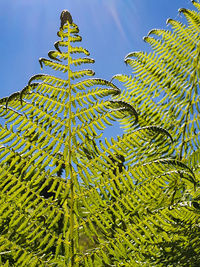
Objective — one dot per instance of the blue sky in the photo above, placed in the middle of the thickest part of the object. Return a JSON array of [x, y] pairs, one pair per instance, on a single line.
[[110, 29]]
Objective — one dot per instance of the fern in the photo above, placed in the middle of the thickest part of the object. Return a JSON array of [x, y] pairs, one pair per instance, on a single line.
[[46, 124], [71, 197], [168, 78], [164, 88]]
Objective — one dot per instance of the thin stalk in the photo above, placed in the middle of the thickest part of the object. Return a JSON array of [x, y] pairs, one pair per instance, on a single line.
[[71, 236]]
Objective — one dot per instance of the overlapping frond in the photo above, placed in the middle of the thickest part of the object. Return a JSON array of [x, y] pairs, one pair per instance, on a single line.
[[165, 83], [71, 198], [164, 88], [130, 202]]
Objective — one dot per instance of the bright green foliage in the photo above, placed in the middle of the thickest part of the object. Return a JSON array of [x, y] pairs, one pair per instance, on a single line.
[[46, 125], [70, 197], [165, 89]]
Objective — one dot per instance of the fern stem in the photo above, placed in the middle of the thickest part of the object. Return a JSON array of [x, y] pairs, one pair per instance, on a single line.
[[72, 248]]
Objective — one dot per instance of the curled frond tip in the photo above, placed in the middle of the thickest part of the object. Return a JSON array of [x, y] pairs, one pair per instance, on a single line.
[[65, 17]]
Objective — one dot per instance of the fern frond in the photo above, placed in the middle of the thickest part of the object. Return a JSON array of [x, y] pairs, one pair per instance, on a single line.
[[46, 124], [166, 80], [70, 197]]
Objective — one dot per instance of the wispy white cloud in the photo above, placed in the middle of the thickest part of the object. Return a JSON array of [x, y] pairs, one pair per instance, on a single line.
[[114, 14]]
